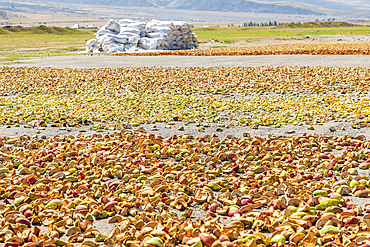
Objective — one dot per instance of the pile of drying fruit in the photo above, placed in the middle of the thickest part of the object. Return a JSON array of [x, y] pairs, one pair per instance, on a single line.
[[261, 96], [309, 48], [136, 189], [181, 191]]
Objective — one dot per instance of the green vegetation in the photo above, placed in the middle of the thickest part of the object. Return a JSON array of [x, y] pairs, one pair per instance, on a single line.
[[40, 30], [18, 43], [218, 46], [262, 24], [13, 58], [228, 35], [317, 24]]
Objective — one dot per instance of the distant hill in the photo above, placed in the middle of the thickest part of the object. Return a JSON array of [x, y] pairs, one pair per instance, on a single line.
[[6, 15], [299, 7], [334, 5], [129, 3], [242, 6]]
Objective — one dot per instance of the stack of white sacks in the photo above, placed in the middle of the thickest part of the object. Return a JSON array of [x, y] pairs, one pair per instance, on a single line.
[[133, 36]]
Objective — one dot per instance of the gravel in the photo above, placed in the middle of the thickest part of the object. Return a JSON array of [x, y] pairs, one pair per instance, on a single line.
[[180, 128]]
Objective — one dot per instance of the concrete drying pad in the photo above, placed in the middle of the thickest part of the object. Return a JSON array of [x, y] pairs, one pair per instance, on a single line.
[[109, 61]]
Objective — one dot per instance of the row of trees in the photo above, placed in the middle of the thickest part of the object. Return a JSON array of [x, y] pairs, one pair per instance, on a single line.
[[258, 24], [263, 24]]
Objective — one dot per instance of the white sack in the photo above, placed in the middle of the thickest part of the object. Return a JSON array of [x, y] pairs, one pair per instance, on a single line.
[[114, 48], [133, 39], [106, 39], [122, 39], [125, 22], [92, 45], [130, 36], [103, 30], [113, 26], [139, 25], [129, 30], [155, 35]]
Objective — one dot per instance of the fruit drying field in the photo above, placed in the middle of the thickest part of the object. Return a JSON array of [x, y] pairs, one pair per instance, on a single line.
[[185, 157], [310, 48]]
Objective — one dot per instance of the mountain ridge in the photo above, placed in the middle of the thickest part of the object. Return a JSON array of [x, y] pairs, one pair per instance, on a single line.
[[299, 7]]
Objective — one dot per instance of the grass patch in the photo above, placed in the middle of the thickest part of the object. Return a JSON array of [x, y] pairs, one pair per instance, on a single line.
[[228, 41], [41, 30], [319, 24], [12, 63], [287, 31], [2, 31], [6, 59], [19, 43]]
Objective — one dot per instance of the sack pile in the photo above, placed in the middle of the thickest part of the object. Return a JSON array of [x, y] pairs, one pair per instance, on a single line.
[[133, 36]]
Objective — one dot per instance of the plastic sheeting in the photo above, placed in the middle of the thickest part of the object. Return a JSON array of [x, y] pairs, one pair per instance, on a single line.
[[132, 36]]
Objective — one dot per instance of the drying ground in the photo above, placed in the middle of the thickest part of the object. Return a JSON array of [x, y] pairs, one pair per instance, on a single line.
[[185, 156]]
